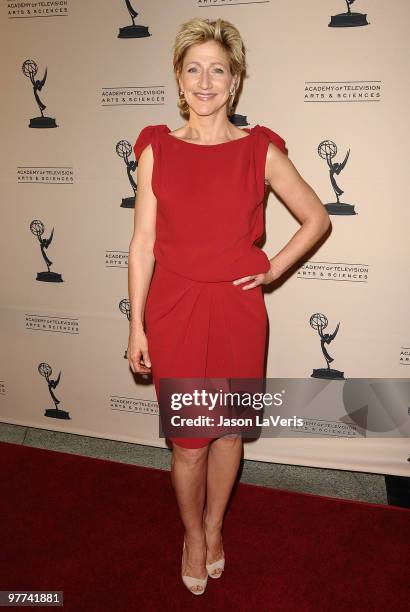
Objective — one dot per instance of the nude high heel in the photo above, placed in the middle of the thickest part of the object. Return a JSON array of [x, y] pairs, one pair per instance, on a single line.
[[216, 568], [194, 585]]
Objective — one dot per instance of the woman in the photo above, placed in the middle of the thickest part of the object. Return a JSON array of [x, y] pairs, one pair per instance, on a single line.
[[198, 213]]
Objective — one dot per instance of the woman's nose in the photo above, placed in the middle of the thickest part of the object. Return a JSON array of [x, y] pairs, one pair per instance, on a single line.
[[205, 81]]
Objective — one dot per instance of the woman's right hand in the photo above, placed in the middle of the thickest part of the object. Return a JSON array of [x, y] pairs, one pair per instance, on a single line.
[[137, 350]]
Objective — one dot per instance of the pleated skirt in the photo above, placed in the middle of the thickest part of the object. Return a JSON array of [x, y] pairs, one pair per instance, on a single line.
[[199, 329]]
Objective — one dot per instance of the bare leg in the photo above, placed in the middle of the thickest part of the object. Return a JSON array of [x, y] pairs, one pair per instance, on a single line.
[[224, 458], [188, 476]]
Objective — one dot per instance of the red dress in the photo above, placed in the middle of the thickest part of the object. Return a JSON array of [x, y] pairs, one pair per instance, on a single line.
[[209, 214]]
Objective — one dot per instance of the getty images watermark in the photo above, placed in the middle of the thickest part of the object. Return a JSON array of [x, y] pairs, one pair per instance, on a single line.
[[284, 407]]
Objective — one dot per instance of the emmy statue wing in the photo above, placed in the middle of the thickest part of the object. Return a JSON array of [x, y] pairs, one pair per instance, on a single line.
[[339, 167], [332, 336], [43, 80], [49, 240]]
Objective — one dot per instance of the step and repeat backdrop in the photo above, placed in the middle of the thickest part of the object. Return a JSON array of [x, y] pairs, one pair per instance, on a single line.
[[80, 80]]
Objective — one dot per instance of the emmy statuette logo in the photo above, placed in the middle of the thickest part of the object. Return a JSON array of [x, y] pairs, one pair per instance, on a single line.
[[29, 68], [124, 150], [319, 322], [327, 150], [37, 228], [133, 31], [56, 412], [348, 19], [125, 307]]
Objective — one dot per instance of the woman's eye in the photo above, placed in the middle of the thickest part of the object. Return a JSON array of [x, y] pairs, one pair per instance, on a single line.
[[216, 69]]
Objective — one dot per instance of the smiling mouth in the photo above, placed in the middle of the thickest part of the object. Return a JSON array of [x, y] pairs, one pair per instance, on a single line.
[[204, 96]]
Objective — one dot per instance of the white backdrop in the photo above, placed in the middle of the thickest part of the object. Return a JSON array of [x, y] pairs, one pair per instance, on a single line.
[[308, 82]]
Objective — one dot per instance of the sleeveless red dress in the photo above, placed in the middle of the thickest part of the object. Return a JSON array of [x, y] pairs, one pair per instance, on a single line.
[[209, 215]]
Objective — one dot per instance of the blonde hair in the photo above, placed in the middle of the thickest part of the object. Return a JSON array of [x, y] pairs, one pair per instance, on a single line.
[[198, 30]]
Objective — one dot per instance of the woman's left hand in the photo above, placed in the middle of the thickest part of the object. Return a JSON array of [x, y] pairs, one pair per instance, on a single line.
[[258, 279]]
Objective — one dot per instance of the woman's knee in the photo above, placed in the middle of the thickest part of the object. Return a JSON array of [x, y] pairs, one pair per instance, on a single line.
[[230, 438], [190, 456]]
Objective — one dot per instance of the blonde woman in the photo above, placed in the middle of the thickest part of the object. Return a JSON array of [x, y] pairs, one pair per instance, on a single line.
[[195, 272]]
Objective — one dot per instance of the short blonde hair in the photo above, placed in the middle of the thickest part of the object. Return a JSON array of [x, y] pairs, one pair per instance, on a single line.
[[198, 30]]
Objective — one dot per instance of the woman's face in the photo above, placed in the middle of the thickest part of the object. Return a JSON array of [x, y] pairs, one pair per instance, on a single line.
[[205, 78]]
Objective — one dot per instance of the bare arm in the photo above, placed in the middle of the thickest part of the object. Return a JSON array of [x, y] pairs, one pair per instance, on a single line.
[[141, 258], [302, 201]]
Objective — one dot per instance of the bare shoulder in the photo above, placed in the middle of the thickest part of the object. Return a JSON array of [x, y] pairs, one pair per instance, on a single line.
[[146, 155], [275, 160], [144, 169], [274, 153]]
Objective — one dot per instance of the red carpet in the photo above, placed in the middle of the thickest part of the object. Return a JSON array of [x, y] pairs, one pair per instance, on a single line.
[[110, 537]]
